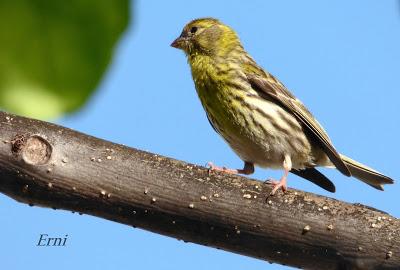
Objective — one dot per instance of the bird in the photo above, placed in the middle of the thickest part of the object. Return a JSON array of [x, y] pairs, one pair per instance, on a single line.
[[257, 116]]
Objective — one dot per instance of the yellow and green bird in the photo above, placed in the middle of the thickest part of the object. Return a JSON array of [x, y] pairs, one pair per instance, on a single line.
[[257, 116]]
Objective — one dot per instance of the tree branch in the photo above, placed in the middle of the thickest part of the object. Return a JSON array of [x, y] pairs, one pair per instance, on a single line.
[[51, 166]]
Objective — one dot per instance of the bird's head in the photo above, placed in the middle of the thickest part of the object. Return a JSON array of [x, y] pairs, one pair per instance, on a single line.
[[206, 36]]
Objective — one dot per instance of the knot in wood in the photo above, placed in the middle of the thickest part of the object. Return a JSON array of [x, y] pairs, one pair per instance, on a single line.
[[35, 150]]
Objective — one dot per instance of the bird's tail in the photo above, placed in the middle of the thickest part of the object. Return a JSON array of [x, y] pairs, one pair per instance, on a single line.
[[366, 174]]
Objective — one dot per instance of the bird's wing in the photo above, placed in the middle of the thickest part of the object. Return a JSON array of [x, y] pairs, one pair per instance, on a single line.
[[270, 88], [316, 177]]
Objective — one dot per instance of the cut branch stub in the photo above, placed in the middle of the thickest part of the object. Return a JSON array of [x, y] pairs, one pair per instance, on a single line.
[[32, 149]]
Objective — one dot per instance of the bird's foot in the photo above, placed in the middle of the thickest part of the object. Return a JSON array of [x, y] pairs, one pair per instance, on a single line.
[[213, 167], [248, 169], [282, 184]]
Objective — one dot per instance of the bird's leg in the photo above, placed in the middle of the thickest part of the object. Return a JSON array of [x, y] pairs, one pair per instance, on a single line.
[[287, 166], [248, 168]]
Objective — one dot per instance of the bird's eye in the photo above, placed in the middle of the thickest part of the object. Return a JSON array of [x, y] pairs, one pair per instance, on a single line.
[[193, 29]]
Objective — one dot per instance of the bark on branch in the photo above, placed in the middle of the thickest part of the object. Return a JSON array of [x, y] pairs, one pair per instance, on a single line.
[[51, 166]]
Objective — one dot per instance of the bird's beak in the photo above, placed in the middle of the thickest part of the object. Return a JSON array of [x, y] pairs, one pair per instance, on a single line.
[[179, 43]]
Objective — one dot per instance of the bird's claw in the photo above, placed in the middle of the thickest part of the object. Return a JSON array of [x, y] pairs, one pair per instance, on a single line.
[[212, 167], [276, 185]]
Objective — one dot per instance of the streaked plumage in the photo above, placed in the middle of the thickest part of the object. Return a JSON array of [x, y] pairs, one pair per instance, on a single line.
[[255, 114]]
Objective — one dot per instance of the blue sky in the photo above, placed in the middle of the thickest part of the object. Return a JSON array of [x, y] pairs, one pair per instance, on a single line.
[[341, 58]]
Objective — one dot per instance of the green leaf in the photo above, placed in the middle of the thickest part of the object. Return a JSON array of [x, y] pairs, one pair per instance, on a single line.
[[54, 53]]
